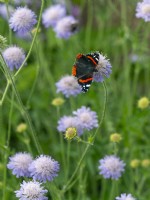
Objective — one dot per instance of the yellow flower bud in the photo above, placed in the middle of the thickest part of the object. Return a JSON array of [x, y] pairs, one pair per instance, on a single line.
[[145, 163], [135, 163], [143, 102], [21, 128], [70, 133], [115, 137], [58, 101]]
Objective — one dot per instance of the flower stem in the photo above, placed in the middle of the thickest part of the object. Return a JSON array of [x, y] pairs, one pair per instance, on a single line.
[[5, 92]]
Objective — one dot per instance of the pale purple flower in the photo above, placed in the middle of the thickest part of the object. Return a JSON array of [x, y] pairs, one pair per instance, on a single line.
[[19, 164], [69, 121], [31, 190], [3, 10], [111, 167], [103, 68], [125, 197], [86, 117], [14, 57], [22, 20], [65, 27], [69, 86], [44, 168], [52, 14], [143, 10]]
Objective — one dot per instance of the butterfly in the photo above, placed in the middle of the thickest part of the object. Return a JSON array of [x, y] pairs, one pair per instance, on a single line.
[[83, 69]]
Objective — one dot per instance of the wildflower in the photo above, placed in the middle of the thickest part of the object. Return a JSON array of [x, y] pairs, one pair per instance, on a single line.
[[103, 69], [58, 101], [143, 102], [70, 133], [68, 86], [22, 20], [86, 117], [65, 27], [3, 10], [19, 164], [143, 10], [135, 163], [44, 168], [14, 57], [115, 137], [67, 122], [3, 42], [21, 128], [111, 167], [52, 14], [125, 197], [31, 190], [145, 163]]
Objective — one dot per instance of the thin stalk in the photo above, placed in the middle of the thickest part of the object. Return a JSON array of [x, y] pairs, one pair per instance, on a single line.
[[23, 110], [67, 186], [5, 92], [34, 38], [7, 146]]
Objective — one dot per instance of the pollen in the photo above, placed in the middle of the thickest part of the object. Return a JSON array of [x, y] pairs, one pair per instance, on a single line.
[[70, 133], [143, 102]]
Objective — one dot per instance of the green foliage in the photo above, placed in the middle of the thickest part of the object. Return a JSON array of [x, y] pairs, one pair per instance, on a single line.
[[109, 27]]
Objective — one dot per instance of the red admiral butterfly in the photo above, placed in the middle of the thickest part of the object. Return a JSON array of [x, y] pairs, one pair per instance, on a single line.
[[84, 68]]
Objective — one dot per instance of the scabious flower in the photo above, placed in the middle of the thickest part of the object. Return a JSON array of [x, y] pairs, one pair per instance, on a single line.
[[19, 164], [22, 20], [3, 42], [143, 103], [103, 69], [70, 133], [22, 127], [111, 167], [143, 10], [44, 168], [69, 86], [68, 121], [52, 14], [58, 101], [31, 190], [3, 10], [86, 117], [14, 57], [145, 163], [125, 197], [115, 137], [135, 163], [65, 27]]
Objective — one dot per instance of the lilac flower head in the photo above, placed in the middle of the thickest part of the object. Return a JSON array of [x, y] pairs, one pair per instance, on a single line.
[[52, 14], [125, 197], [86, 117], [31, 190], [103, 69], [68, 122], [22, 20], [44, 168], [3, 10], [19, 164], [14, 57], [111, 167], [65, 27], [68, 85], [143, 10]]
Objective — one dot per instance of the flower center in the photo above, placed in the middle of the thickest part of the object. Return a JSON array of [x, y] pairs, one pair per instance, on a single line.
[[146, 9]]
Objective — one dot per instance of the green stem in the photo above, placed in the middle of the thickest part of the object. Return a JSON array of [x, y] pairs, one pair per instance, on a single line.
[[67, 186], [7, 146], [4, 94], [34, 38], [104, 110], [23, 110]]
